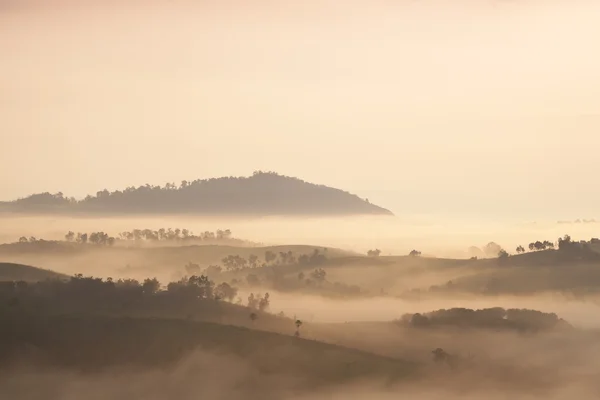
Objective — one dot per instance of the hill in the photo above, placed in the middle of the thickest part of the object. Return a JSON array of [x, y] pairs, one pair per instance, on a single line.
[[258, 195], [141, 262], [260, 358], [19, 272]]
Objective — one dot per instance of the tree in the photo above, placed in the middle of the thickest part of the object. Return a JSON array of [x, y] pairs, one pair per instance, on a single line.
[[23, 239], [70, 236], [225, 291], [374, 253], [253, 317], [150, 286], [520, 249], [319, 275], [82, 238], [565, 243], [492, 249], [252, 260], [503, 254], [414, 253], [203, 287], [253, 301], [264, 303], [298, 324]]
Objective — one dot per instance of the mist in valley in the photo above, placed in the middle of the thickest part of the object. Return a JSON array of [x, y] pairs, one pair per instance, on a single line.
[[431, 230]]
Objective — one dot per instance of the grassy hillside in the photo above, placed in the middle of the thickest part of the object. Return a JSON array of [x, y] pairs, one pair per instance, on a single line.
[[20, 272], [96, 343]]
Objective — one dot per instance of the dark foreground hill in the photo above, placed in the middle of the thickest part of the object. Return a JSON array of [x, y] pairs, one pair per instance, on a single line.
[[261, 194], [252, 361], [19, 272]]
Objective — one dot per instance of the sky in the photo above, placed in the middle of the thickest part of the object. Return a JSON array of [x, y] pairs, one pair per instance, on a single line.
[[465, 107]]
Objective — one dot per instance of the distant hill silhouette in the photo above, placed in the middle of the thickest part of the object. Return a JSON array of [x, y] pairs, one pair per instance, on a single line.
[[263, 193]]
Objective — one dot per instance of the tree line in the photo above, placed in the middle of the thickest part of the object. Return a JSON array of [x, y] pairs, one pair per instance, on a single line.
[[236, 263], [93, 292], [142, 235]]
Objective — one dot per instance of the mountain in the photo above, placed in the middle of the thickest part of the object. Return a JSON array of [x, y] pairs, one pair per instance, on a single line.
[[262, 194]]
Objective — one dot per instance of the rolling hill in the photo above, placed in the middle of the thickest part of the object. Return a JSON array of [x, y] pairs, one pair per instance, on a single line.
[[20, 272], [99, 343], [261, 194]]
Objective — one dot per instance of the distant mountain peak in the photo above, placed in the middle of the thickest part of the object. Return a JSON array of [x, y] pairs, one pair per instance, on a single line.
[[261, 194]]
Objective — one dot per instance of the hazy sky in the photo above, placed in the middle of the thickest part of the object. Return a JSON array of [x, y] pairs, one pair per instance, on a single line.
[[421, 105]]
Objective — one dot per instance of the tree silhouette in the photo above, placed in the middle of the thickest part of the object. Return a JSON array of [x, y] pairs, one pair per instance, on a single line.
[[492, 249], [374, 253], [520, 249], [414, 253], [319, 275], [298, 324]]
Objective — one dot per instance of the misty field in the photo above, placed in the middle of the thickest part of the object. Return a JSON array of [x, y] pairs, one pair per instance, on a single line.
[[245, 319]]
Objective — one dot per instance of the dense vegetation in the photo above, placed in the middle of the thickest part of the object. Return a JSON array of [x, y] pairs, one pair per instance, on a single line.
[[264, 193], [489, 318], [196, 294]]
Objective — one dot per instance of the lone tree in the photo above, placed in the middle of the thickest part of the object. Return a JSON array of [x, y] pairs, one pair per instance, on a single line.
[[414, 253], [520, 249], [253, 317], [298, 324]]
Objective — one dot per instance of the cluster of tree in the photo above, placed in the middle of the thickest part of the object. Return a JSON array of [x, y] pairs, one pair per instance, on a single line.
[[176, 234], [89, 292], [565, 246], [98, 238], [314, 281], [262, 193], [140, 235], [258, 302], [374, 253], [237, 263], [489, 318], [536, 246]]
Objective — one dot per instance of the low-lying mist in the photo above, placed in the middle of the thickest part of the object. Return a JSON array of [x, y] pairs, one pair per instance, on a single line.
[[580, 313], [436, 236]]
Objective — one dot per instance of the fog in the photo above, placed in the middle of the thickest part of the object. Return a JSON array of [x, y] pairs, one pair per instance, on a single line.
[[228, 377], [473, 121], [581, 313], [439, 237]]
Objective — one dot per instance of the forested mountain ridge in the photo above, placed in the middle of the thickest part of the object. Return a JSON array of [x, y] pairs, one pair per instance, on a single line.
[[263, 193]]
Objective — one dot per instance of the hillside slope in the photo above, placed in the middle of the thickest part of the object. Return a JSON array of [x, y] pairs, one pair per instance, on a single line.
[[98, 343], [20, 272], [261, 194]]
